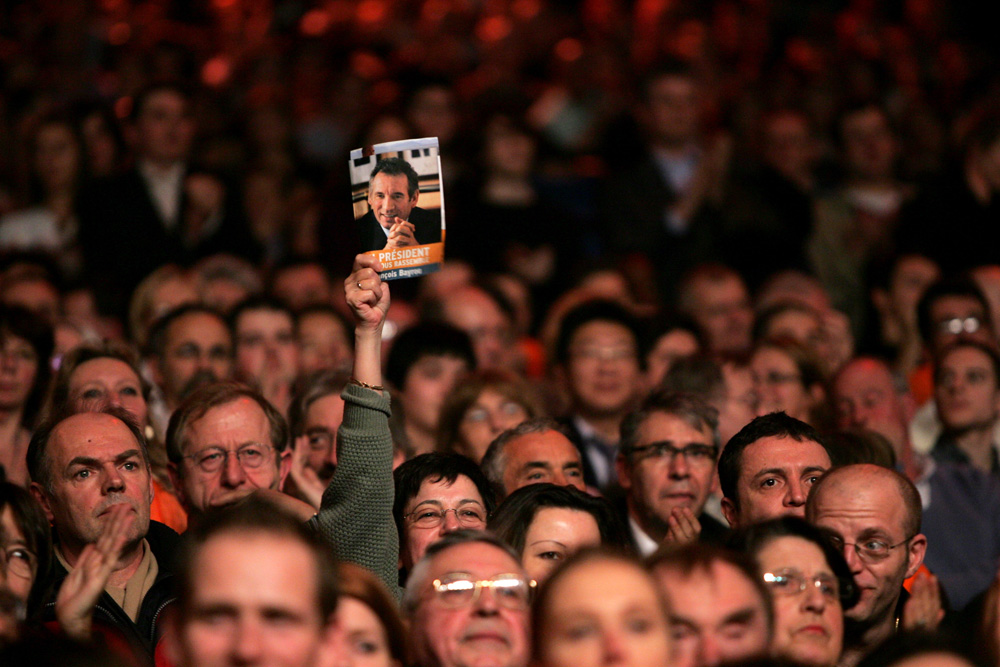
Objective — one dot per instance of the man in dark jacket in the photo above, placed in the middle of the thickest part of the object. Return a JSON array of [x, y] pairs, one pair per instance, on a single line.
[[90, 470]]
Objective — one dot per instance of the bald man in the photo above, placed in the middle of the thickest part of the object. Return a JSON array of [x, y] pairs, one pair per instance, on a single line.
[[876, 514], [961, 504]]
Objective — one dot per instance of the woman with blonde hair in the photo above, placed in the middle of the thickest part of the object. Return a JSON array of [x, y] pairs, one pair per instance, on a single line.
[[93, 376]]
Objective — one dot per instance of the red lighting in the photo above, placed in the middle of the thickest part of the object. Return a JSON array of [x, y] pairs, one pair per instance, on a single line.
[[315, 23], [215, 72], [119, 33], [569, 49]]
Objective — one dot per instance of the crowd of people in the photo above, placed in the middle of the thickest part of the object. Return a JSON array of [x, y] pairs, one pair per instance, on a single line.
[[710, 374]]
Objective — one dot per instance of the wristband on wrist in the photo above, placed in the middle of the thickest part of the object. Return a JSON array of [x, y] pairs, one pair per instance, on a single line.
[[373, 387]]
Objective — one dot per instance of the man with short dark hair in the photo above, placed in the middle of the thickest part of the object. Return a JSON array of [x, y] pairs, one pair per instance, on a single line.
[[716, 298], [533, 452], [599, 360], [255, 587], [451, 607], [666, 464], [266, 351], [720, 608], [393, 219], [967, 396], [950, 311], [188, 347], [225, 441], [89, 470], [876, 514], [767, 469], [961, 504]]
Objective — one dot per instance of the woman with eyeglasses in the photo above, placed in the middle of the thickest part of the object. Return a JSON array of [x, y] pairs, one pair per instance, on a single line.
[[25, 555], [599, 609], [810, 584], [545, 524], [482, 407]]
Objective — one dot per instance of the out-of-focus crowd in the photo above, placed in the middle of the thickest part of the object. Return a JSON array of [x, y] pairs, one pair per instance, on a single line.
[[710, 374]]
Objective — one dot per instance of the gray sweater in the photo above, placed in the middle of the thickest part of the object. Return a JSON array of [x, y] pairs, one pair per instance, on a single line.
[[355, 516]]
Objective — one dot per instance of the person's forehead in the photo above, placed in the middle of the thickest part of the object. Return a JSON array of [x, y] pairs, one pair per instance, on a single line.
[[390, 182], [660, 426], [241, 419], [163, 100], [197, 325], [550, 446], [865, 119], [955, 305], [255, 570], [471, 307], [602, 332], [790, 551], [709, 595], [782, 453], [672, 86], [855, 503], [480, 559], [862, 377], [967, 357], [325, 406], [83, 433], [435, 488], [264, 318], [107, 369]]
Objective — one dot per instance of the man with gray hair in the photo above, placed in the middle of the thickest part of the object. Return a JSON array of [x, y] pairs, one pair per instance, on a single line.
[[666, 465], [452, 603], [533, 452]]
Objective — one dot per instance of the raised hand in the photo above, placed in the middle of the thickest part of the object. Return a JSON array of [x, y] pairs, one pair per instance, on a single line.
[[83, 586], [367, 295], [923, 611], [305, 478], [684, 527]]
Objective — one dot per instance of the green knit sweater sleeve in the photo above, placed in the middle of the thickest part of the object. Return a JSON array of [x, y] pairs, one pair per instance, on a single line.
[[355, 516]]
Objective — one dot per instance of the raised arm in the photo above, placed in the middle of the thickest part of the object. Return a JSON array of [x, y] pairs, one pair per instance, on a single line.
[[355, 516]]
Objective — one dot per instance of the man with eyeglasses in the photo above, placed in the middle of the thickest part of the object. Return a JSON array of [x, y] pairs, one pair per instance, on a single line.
[[467, 601], [224, 442], [437, 494], [666, 465], [768, 469], [951, 310], [876, 513]]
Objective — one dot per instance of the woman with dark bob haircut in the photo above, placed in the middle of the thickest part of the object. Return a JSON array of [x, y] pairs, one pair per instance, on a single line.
[[546, 523], [810, 584]]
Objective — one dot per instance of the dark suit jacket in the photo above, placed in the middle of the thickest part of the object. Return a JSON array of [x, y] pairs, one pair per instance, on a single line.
[[124, 238], [712, 531], [427, 224], [634, 213]]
